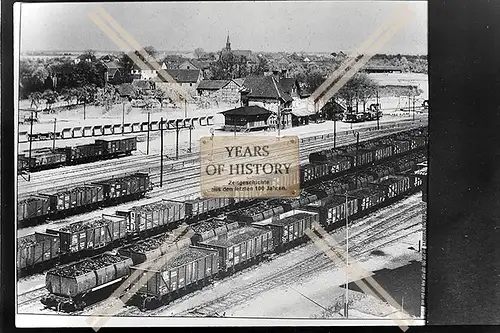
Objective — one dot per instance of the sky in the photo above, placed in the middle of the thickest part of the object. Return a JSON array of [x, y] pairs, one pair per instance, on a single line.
[[289, 26]]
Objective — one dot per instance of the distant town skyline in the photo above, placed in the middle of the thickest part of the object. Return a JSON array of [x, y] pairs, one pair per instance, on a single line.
[[295, 26]]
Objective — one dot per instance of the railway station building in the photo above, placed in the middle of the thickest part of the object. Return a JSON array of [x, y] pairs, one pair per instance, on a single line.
[[246, 118]]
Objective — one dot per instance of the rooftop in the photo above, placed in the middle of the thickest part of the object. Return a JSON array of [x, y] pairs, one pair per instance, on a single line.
[[246, 111], [184, 75], [265, 87], [213, 84]]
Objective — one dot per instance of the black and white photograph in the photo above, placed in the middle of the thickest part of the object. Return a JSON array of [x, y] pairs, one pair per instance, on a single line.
[[116, 105]]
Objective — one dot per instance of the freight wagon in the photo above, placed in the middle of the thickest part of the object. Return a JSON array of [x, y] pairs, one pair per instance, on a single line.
[[290, 230], [332, 210], [46, 158], [83, 153], [40, 207], [170, 277], [36, 251], [90, 235], [258, 212], [394, 185], [210, 228], [133, 186], [304, 198], [152, 248], [70, 200], [368, 198], [33, 209], [227, 247], [240, 247], [203, 207], [73, 286], [150, 217], [117, 147]]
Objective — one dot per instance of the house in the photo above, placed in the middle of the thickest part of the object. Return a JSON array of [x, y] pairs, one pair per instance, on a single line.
[[114, 72], [246, 118], [266, 92], [203, 66], [222, 90], [188, 79], [144, 73]]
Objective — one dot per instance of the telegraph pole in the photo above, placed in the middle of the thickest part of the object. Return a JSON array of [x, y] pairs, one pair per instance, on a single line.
[[177, 140], [357, 148], [149, 126], [191, 127], [379, 109], [346, 260], [334, 130], [413, 107], [279, 119], [54, 142], [161, 152], [31, 142], [123, 118]]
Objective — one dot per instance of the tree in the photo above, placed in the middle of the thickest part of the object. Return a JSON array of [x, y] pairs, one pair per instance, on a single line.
[[229, 67], [199, 52], [359, 88], [366, 88], [151, 52], [85, 95], [50, 98], [262, 67], [35, 98], [68, 95]]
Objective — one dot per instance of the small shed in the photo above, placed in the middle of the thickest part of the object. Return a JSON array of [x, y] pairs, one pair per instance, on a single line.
[[246, 118]]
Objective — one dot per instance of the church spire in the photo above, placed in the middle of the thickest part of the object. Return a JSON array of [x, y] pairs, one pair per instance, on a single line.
[[228, 44]]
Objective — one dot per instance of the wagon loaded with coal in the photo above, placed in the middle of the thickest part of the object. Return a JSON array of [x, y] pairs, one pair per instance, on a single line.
[[220, 246], [39, 207], [47, 158]]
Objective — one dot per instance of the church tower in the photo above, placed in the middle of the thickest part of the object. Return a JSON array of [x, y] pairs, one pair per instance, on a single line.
[[228, 44]]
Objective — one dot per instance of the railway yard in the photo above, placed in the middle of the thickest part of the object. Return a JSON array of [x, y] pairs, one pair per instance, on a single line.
[[244, 258]]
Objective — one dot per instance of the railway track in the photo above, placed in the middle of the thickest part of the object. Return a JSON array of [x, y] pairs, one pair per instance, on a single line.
[[150, 163], [31, 296], [178, 185], [376, 229]]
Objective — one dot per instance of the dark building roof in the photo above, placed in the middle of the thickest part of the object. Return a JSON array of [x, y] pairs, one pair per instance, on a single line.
[[265, 87], [287, 84], [212, 84], [184, 75], [199, 64], [246, 111], [239, 81]]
